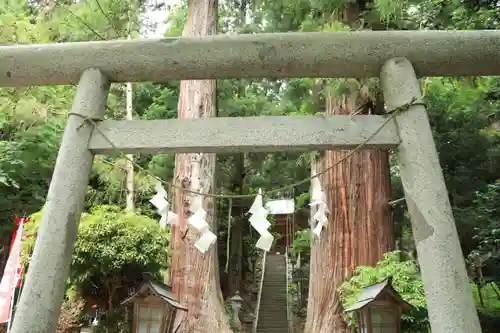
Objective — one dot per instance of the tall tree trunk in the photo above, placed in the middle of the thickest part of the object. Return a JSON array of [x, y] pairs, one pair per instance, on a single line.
[[360, 226], [195, 276]]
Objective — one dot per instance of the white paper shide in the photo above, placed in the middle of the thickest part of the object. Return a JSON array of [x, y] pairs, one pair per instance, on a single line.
[[318, 199], [259, 222], [198, 221], [159, 200]]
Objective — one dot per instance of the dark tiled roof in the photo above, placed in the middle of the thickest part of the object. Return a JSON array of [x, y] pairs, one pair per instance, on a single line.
[[371, 293], [159, 289]]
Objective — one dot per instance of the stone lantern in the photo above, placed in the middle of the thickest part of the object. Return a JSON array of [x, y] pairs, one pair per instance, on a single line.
[[154, 308], [236, 305], [379, 308]]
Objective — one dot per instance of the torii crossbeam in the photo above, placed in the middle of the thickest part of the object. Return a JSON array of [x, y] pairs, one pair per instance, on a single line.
[[397, 57]]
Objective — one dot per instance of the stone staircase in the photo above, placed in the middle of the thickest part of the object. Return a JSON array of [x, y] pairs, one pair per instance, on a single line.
[[273, 306]]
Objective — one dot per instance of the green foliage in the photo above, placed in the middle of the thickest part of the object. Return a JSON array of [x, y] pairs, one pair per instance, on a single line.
[[177, 18], [301, 242], [26, 162], [463, 114], [112, 251], [491, 300], [486, 255], [406, 281], [109, 240]]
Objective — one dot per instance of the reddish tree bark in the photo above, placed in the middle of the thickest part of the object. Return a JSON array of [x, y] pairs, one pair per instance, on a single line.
[[195, 276], [359, 230]]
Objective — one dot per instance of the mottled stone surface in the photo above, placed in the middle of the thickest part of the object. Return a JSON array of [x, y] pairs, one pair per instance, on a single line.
[[449, 295], [40, 303], [320, 54], [248, 134]]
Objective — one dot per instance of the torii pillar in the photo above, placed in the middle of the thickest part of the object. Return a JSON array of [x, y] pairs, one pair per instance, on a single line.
[[40, 304], [449, 295]]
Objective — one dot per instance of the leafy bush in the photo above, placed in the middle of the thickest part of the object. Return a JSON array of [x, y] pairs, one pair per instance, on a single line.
[[112, 252], [301, 242], [405, 279]]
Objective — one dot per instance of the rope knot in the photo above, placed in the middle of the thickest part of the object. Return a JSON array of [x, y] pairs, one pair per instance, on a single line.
[[85, 119], [406, 106]]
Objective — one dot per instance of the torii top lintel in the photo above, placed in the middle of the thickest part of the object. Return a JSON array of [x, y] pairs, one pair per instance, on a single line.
[[320, 54]]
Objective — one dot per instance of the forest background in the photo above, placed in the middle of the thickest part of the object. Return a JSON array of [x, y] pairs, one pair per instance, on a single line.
[[464, 114]]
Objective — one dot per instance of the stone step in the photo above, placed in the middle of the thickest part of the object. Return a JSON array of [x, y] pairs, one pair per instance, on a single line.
[[282, 325], [273, 301], [272, 312], [275, 284], [273, 319], [275, 312], [275, 280], [273, 329], [266, 311], [270, 323]]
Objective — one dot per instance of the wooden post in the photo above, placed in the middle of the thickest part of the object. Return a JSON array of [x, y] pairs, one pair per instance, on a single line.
[[447, 287], [40, 303]]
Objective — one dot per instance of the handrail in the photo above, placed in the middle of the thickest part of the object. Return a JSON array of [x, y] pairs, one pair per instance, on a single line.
[[259, 295], [289, 314]]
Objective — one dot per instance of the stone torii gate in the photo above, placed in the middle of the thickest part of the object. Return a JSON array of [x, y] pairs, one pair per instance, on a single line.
[[397, 57]]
